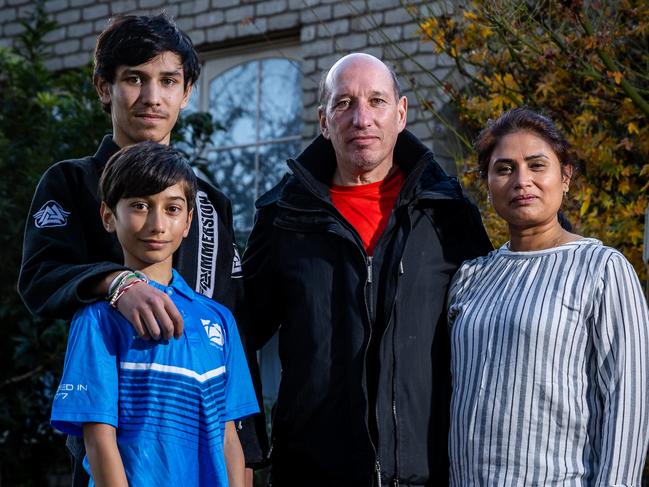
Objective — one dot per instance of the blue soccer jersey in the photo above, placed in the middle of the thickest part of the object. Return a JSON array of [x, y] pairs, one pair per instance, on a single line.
[[169, 400]]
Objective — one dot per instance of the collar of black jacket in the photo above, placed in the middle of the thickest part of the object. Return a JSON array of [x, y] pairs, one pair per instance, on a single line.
[[106, 149], [314, 168]]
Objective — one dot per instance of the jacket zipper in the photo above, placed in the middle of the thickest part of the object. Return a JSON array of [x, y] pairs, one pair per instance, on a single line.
[[378, 472], [396, 443], [368, 262], [395, 482], [368, 281], [395, 388]]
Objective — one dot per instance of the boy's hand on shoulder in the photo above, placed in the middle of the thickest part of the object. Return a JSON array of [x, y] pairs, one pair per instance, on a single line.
[[151, 312]]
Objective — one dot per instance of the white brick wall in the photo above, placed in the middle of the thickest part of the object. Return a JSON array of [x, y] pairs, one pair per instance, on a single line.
[[327, 29]]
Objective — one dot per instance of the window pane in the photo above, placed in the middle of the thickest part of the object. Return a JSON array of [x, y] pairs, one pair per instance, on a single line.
[[234, 171], [233, 103], [193, 104], [272, 163], [281, 99], [257, 102]]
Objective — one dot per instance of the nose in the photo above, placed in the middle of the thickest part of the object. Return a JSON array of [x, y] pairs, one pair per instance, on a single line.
[[362, 115], [150, 93], [523, 176], [155, 221]]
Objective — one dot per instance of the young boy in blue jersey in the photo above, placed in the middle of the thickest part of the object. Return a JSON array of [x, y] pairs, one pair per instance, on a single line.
[[154, 413]]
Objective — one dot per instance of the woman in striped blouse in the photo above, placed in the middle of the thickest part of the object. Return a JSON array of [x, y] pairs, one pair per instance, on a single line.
[[550, 334]]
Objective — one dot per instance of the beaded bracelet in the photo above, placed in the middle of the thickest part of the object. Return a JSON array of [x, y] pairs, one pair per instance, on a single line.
[[114, 284], [120, 291], [126, 281]]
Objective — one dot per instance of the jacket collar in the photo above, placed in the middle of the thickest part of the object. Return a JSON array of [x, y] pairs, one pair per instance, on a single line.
[[106, 149], [314, 168]]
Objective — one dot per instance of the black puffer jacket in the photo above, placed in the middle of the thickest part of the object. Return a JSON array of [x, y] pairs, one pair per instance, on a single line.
[[365, 383]]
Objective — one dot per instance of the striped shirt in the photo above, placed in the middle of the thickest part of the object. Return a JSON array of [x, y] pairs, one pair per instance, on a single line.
[[550, 363]]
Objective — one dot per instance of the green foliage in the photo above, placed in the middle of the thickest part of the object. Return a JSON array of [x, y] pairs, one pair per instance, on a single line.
[[584, 64], [44, 117]]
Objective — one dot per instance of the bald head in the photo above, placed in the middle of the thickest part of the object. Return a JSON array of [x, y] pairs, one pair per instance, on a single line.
[[361, 115], [324, 91]]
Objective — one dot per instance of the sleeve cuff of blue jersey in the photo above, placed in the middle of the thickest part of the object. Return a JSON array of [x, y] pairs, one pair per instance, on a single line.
[[72, 423], [241, 412]]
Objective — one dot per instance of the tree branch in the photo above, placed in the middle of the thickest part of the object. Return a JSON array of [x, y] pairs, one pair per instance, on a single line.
[[22, 377], [628, 88]]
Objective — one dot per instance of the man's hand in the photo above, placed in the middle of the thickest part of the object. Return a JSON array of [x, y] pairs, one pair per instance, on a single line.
[[151, 312]]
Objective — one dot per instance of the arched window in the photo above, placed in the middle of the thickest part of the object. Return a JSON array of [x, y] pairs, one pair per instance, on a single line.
[[258, 103]]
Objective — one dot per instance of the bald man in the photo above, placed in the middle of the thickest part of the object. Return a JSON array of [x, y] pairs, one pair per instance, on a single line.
[[350, 259]]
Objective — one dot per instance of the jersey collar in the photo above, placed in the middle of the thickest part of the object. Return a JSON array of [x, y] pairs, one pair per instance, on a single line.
[[178, 284]]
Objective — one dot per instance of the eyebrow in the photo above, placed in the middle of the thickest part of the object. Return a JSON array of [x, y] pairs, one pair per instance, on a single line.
[[343, 94], [540, 155], [175, 72], [146, 197], [181, 198], [528, 158]]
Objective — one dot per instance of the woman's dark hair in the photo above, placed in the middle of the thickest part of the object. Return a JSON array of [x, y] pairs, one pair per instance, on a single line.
[[145, 169], [132, 40], [517, 120]]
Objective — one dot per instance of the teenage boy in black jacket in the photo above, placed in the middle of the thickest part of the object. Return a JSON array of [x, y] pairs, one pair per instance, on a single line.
[[351, 257], [145, 68]]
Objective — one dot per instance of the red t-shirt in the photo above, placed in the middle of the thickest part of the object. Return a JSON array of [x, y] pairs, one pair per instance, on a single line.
[[368, 206]]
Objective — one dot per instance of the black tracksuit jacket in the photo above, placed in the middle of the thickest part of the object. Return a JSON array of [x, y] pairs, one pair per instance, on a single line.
[[365, 389], [64, 256]]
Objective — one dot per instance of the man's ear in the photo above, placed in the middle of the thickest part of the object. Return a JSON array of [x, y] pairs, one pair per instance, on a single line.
[[322, 119], [187, 95], [103, 89], [190, 215], [402, 109], [107, 217]]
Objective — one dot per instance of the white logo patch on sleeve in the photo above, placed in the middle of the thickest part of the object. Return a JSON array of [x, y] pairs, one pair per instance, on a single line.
[[51, 214], [214, 332]]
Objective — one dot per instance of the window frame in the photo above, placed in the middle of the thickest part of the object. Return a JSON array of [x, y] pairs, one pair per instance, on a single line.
[[216, 63]]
